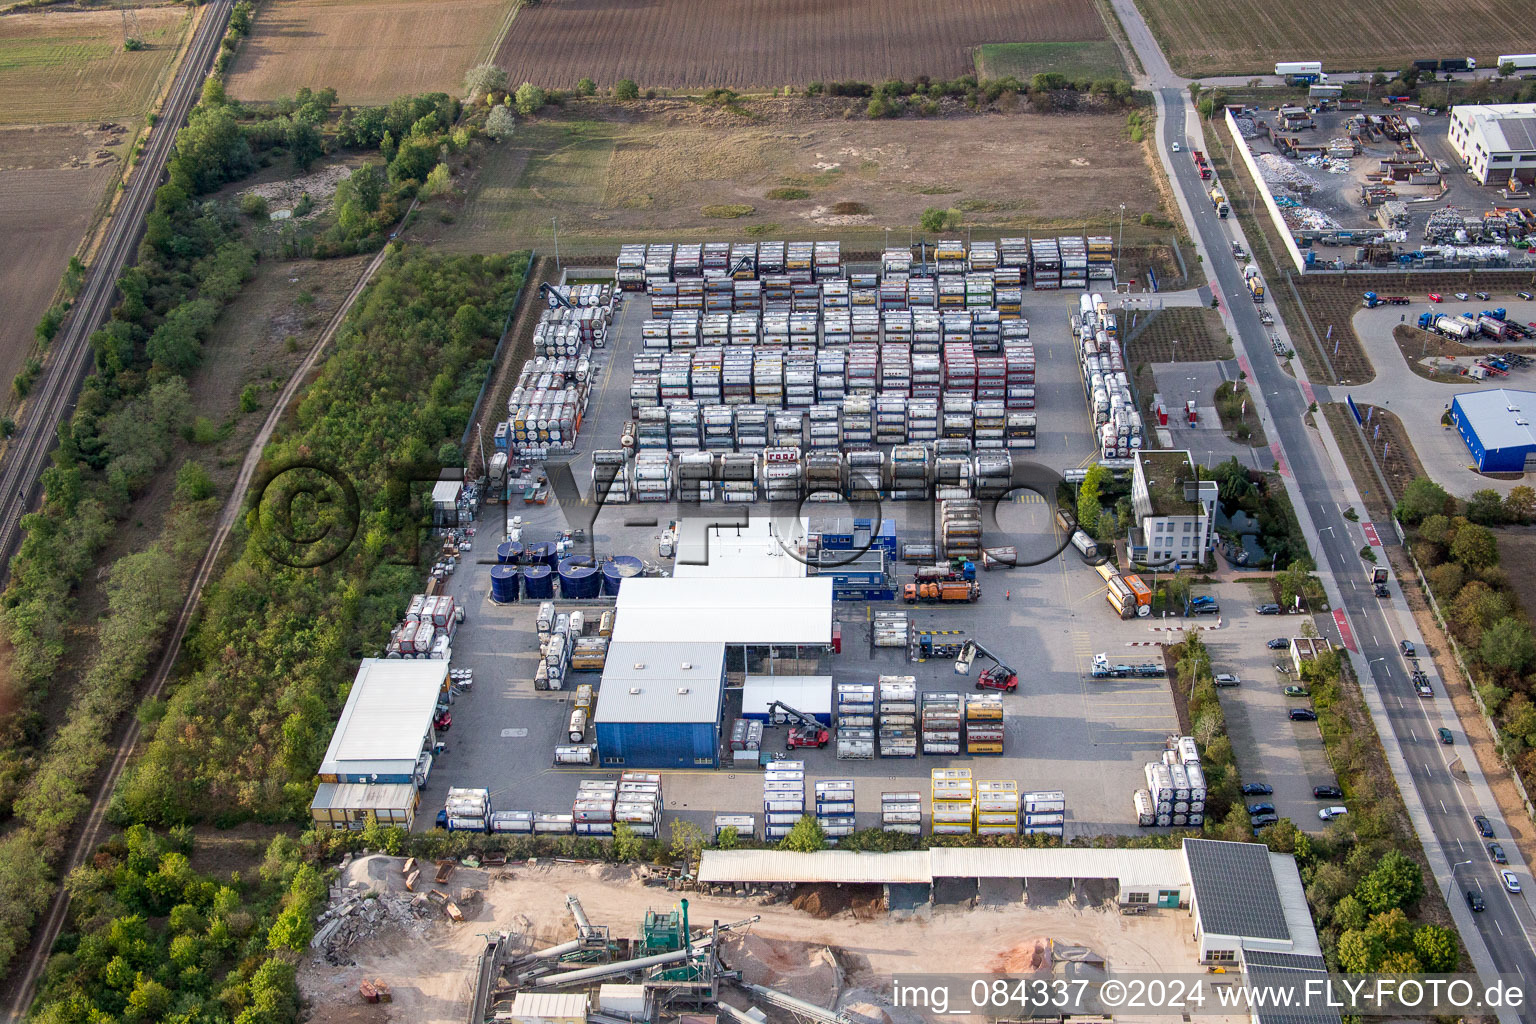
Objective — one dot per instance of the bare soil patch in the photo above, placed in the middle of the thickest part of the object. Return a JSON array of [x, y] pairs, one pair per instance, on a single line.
[[1181, 334], [613, 173], [698, 44], [369, 51], [61, 66]]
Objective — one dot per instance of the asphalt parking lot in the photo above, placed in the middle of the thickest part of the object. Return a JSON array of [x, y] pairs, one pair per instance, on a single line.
[[1270, 748]]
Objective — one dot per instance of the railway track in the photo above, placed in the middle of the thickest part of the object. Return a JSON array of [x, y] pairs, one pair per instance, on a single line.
[[55, 399], [62, 373]]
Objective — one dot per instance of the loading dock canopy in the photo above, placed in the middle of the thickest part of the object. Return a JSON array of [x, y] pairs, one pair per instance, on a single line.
[[759, 611], [1133, 868], [810, 694]]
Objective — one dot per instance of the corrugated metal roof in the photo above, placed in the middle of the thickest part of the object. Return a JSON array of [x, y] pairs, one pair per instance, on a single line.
[[363, 796], [1293, 902], [826, 866], [732, 611], [557, 1005], [1235, 890], [1130, 867], [388, 713], [647, 682], [1504, 127], [1501, 418]]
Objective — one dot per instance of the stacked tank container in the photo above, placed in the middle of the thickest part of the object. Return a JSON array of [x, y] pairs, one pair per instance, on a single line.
[[630, 273], [960, 528], [653, 476], [469, 810], [639, 803], [1045, 264], [783, 798], [902, 813], [834, 808], [983, 723], [855, 721], [610, 476], [592, 810], [1045, 813], [941, 724], [1101, 258], [997, 807], [1074, 261], [898, 716], [952, 801], [890, 629]]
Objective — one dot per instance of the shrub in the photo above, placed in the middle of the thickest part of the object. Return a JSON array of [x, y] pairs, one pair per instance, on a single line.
[[586, 87], [626, 89], [788, 193], [529, 98], [728, 211], [253, 205], [484, 78], [499, 124]]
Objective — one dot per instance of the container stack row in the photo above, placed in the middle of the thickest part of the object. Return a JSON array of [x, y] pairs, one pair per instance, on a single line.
[[783, 798], [960, 527], [592, 810], [952, 804], [468, 810], [1045, 813], [1176, 790], [902, 812], [427, 629], [941, 723], [639, 803], [891, 629], [1106, 385], [983, 723], [744, 825], [997, 807], [746, 740], [855, 721], [550, 395], [898, 716], [834, 808]]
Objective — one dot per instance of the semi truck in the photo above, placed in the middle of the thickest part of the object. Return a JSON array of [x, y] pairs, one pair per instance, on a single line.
[[1379, 577], [1202, 165], [1521, 61], [1103, 669], [1372, 300], [936, 593], [1451, 327], [1219, 201], [1301, 72]]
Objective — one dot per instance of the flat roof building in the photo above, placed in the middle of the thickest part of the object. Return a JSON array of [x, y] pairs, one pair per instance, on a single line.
[[1497, 141], [1175, 509], [660, 704], [761, 547], [1496, 427]]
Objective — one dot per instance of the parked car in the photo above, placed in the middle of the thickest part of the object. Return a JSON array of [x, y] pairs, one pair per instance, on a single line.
[[1327, 792], [1482, 296], [1462, 296], [1227, 679], [1257, 789], [1423, 689], [1406, 646], [1496, 854], [1260, 820], [1511, 883], [1484, 826], [1261, 808], [1279, 643], [1475, 901], [1329, 813], [1303, 715], [1523, 295], [1445, 736], [1297, 691], [1434, 296], [1268, 609]]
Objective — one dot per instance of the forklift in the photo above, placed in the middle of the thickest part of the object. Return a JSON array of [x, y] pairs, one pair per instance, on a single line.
[[998, 676], [804, 731]]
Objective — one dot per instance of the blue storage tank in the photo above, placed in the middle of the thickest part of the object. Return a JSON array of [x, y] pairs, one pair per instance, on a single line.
[[506, 583], [541, 553], [509, 552], [579, 578], [618, 570], [539, 583]]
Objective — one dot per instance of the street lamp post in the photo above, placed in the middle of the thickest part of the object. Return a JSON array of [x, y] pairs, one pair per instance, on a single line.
[[1120, 245]]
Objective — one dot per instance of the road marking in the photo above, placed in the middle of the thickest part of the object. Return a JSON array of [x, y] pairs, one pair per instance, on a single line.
[[1443, 809], [1496, 925], [1411, 734], [1427, 773]]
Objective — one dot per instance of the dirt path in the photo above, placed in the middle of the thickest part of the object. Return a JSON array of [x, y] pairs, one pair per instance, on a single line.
[[843, 958]]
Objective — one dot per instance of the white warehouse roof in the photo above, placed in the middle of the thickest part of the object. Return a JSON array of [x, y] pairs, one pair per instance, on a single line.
[[1501, 417], [1139, 868], [1504, 127], [810, 694], [661, 682], [729, 611], [762, 547], [387, 717], [843, 866]]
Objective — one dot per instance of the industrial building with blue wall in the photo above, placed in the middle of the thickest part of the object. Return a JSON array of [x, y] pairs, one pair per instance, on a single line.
[[660, 705], [1496, 427]]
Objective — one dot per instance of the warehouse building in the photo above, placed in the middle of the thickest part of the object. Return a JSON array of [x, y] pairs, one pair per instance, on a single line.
[[660, 704], [1247, 906], [759, 547], [1496, 427], [1497, 141], [381, 750], [1175, 509]]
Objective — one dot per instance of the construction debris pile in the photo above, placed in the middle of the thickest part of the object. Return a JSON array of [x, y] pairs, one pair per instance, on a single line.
[[1247, 127], [357, 912], [1279, 172]]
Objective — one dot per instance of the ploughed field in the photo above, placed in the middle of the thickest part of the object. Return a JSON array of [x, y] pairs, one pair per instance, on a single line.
[[745, 44], [1247, 37], [369, 51]]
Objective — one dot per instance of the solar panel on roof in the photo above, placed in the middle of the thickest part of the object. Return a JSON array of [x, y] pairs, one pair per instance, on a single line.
[[1235, 892]]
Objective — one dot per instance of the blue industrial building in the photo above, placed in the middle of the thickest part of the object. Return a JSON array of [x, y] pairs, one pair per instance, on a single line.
[[660, 705], [1496, 426]]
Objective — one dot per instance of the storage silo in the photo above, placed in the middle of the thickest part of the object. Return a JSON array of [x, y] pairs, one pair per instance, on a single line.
[[539, 582], [506, 583], [619, 568]]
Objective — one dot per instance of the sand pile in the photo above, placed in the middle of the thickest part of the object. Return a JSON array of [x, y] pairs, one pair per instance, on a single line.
[[801, 969], [1024, 958]]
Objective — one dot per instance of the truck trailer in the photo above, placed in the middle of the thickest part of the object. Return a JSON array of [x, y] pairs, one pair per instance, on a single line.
[[934, 593], [1521, 61]]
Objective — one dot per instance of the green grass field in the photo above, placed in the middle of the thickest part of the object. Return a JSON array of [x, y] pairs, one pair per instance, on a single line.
[[1025, 60], [70, 66]]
